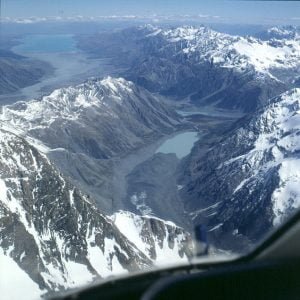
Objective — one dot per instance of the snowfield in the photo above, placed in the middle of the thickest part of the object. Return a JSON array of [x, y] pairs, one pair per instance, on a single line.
[[233, 51]]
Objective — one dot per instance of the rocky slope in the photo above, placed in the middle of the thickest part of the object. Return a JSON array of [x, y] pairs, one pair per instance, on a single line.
[[152, 189], [18, 71], [249, 182], [55, 238]]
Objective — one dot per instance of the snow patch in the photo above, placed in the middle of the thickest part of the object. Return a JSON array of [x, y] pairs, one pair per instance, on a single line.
[[15, 284]]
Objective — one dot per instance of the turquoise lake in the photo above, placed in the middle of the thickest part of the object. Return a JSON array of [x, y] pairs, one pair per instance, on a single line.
[[181, 144], [46, 43]]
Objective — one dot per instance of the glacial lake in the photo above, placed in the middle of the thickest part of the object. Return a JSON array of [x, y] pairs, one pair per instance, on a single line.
[[47, 43], [181, 144]]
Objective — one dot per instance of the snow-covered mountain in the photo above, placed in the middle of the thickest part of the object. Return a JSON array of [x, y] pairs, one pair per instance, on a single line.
[[280, 32], [203, 65], [240, 53], [214, 67], [249, 182], [56, 150], [48, 227], [51, 232], [53, 237], [83, 128], [83, 118]]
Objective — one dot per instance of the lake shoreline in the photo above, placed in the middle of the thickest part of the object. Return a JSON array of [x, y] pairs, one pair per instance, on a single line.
[[180, 144]]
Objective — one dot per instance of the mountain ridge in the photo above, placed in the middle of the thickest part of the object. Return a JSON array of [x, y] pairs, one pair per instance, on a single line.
[[75, 126], [257, 156], [200, 65]]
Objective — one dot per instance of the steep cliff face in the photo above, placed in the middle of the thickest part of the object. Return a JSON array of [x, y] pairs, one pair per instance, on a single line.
[[49, 228], [163, 242], [249, 182]]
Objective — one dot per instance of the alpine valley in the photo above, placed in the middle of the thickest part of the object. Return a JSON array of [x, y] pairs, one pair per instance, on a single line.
[[86, 190]]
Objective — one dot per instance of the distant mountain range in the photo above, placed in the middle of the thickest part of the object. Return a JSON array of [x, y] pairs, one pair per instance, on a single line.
[[280, 33], [202, 65]]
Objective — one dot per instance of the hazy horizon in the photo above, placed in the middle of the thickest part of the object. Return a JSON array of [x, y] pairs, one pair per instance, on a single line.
[[245, 12]]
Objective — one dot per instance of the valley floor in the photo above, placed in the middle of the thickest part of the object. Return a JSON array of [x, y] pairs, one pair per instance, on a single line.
[[146, 181]]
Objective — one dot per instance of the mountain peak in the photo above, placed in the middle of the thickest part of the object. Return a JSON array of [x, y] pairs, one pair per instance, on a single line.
[[117, 84]]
